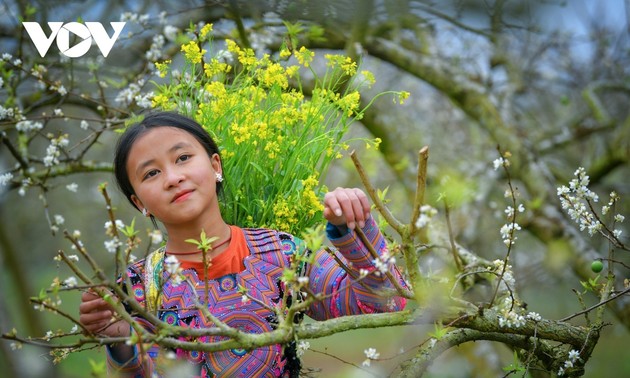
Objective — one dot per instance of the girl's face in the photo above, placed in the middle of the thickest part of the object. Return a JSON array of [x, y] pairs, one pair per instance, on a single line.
[[172, 176]]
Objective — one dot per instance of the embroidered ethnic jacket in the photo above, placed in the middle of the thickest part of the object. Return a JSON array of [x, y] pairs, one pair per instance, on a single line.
[[270, 253]]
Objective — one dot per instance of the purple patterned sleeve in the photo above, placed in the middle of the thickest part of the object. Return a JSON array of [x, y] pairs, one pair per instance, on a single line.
[[345, 296], [142, 363]]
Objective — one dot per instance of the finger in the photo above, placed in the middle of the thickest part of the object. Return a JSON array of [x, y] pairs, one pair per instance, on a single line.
[[93, 319], [358, 213], [347, 207], [93, 306], [332, 204], [365, 202], [89, 296]]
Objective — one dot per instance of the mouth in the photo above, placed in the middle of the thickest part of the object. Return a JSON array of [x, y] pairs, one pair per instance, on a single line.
[[181, 196]]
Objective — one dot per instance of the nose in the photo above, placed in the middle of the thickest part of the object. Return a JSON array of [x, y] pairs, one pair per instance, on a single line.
[[173, 177]]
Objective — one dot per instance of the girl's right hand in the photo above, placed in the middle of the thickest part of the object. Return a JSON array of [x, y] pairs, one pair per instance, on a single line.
[[96, 316]]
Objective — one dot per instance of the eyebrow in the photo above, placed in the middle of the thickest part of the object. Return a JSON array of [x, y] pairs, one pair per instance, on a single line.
[[176, 146]]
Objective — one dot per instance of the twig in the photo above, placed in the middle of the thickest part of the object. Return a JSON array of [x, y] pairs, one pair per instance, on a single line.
[[391, 220], [421, 183], [401, 290], [612, 298], [451, 237]]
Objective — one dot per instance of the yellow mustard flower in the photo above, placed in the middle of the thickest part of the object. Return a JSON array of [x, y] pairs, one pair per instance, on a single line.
[[163, 67], [161, 101], [309, 200], [402, 96], [377, 142], [369, 76], [193, 52], [216, 89], [285, 53], [292, 71], [232, 46], [214, 67], [350, 103], [207, 28], [349, 66], [304, 56], [274, 75]]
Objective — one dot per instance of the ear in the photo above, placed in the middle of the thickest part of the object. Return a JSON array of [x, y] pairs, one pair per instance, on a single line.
[[136, 201], [215, 160]]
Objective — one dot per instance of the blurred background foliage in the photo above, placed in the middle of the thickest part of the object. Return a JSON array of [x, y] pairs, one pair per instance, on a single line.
[[548, 81]]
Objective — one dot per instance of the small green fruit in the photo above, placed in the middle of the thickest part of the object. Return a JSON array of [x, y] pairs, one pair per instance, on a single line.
[[597, 266]]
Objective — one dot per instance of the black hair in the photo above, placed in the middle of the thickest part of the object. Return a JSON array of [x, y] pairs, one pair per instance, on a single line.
[[152, 121]]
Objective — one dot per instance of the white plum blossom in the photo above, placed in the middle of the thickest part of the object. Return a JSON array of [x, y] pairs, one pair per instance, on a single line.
[[27, 125], [112, 245], [84, 125], [49, 335], [17, 62], [303, 280], [511, 319], [16, 346], [128, 16], [62, 90], [508, 276], [6, 56], [576, 200], [5, 178], [70, 281], [156, 237], [507, 233], [73, 258], [170, 32], [171, 264], [53, 150], [371, 354], [74, 328], [59, 219], [127, 96], [498, 163], [426, 213], [383, 263], [143, 19], [162, 17], [302, 347], [108, 226], [6, 112], [72, 187], [534, 316], [155, 51], [619, 218], [144, 100], [509, 211]]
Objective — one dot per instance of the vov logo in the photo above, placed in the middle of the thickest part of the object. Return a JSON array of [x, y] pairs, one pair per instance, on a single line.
[[61, 32]]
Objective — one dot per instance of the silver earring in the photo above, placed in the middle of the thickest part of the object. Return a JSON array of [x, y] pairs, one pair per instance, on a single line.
[[145, 212], [219, 177]]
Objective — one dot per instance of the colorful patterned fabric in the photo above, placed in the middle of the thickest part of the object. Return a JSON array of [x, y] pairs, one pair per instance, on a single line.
[[271, 252]]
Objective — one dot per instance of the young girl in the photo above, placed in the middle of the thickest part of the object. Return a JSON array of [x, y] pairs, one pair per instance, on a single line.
[[170, 169]]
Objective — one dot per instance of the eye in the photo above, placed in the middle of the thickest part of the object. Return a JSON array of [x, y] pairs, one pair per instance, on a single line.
[[183, 158], [150, 174]]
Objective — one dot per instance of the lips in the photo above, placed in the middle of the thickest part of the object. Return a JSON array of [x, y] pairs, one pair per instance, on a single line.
[[182, 195]]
